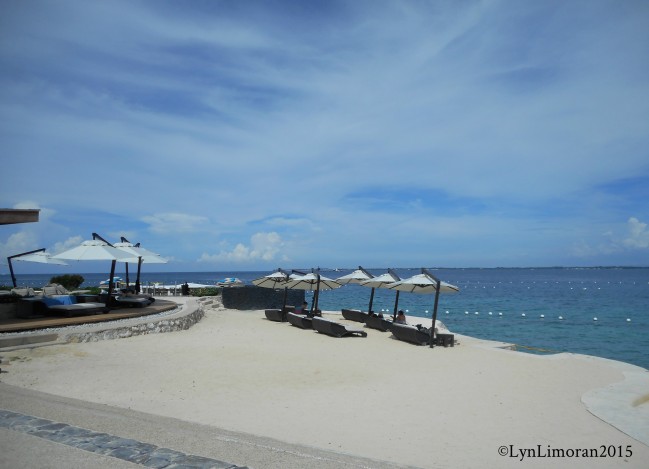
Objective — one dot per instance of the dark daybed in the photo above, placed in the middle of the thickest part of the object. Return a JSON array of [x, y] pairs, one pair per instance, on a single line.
[[354, 315], [132, 301], [334, 329], [66, 305], [420, 335], [279, 315], [301, 321], [128, 300], [412, 334], [378, 323]]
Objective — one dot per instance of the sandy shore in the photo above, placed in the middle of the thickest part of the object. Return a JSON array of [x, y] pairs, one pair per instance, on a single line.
[[374, 397]]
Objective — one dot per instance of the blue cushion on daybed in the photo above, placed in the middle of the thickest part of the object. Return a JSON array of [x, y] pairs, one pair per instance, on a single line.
[[56, 300]]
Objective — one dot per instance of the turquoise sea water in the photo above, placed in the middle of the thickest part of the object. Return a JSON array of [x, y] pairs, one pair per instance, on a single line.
[[617, 297]]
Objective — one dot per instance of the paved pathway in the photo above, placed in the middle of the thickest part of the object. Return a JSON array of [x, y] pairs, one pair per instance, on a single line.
[[47, 431], [102, 443]]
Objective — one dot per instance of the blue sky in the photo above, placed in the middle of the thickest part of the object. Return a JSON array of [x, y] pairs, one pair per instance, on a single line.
[[241, 135]]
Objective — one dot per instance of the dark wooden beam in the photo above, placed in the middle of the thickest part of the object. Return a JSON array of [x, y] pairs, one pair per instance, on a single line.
[[10, 216]]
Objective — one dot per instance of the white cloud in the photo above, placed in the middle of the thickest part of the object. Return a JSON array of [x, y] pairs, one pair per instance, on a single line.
[[633, 236], [263, 247], [22, 241], [67, 244], [638, 234]]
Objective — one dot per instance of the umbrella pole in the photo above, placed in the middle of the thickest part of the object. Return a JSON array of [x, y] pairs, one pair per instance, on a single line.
[[137, 280], [285, 297], [369, 309], [126, 265], [11, 270], [317, 296], [432, 330], [110, 282], [396, 304]]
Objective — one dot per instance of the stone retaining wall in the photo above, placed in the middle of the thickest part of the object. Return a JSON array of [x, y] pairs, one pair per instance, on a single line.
[[180, 323]]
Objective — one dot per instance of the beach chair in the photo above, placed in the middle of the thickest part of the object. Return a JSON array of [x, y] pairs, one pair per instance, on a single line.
[[298, 320], [412, 334], [279, 315], [275, 315], [65, 305], [132, 301], [354, 315], [123, 300], [334, 329], [375, 322]]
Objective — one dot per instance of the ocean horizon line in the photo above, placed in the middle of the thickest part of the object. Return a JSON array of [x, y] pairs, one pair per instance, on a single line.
[[337, 269]]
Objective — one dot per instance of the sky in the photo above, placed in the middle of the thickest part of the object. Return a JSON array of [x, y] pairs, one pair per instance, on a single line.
[[250, 135]]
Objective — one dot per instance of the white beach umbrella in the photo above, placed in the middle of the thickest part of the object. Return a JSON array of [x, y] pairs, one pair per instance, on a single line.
[[357, 276], [382, 281], [38, 255], [276, 280], [143, 256], [98, 250], [425, 282], [95, 250], [422, 283], [314, 282]]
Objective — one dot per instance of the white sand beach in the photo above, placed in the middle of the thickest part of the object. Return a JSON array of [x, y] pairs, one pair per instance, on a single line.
[[374, 397]]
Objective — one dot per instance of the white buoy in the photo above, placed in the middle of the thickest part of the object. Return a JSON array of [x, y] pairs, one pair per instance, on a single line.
[[560, 318], [489, 313], [500, 314], [476, 313], [628, 319], [594, 319], [446, 312], [542, 316], [523, 315], [466, 312]]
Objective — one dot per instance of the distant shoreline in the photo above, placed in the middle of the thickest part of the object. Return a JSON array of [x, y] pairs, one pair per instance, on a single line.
[[327, 269]]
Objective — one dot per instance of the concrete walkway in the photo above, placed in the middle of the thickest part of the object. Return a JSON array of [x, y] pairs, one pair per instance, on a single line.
[[79, 434]]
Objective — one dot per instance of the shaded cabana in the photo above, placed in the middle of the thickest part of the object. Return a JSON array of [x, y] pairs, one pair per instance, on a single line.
[[425, 283]]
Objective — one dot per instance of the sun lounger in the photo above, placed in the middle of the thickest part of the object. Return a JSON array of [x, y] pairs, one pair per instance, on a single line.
[[378, 323], [128, 301], [300, 321], [279, 315], [132, 301], [412, 334], [334, 329], [275, 315], [66, 305], [354, 315]]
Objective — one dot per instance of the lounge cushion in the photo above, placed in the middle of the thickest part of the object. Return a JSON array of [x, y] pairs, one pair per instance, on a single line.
[[57, 300]]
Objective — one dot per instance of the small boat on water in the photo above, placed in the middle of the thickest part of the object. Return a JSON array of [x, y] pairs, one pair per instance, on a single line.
[[229, 282]]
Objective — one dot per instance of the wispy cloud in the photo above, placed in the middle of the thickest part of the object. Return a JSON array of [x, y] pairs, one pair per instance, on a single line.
[[382, 131], [166, 223]]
